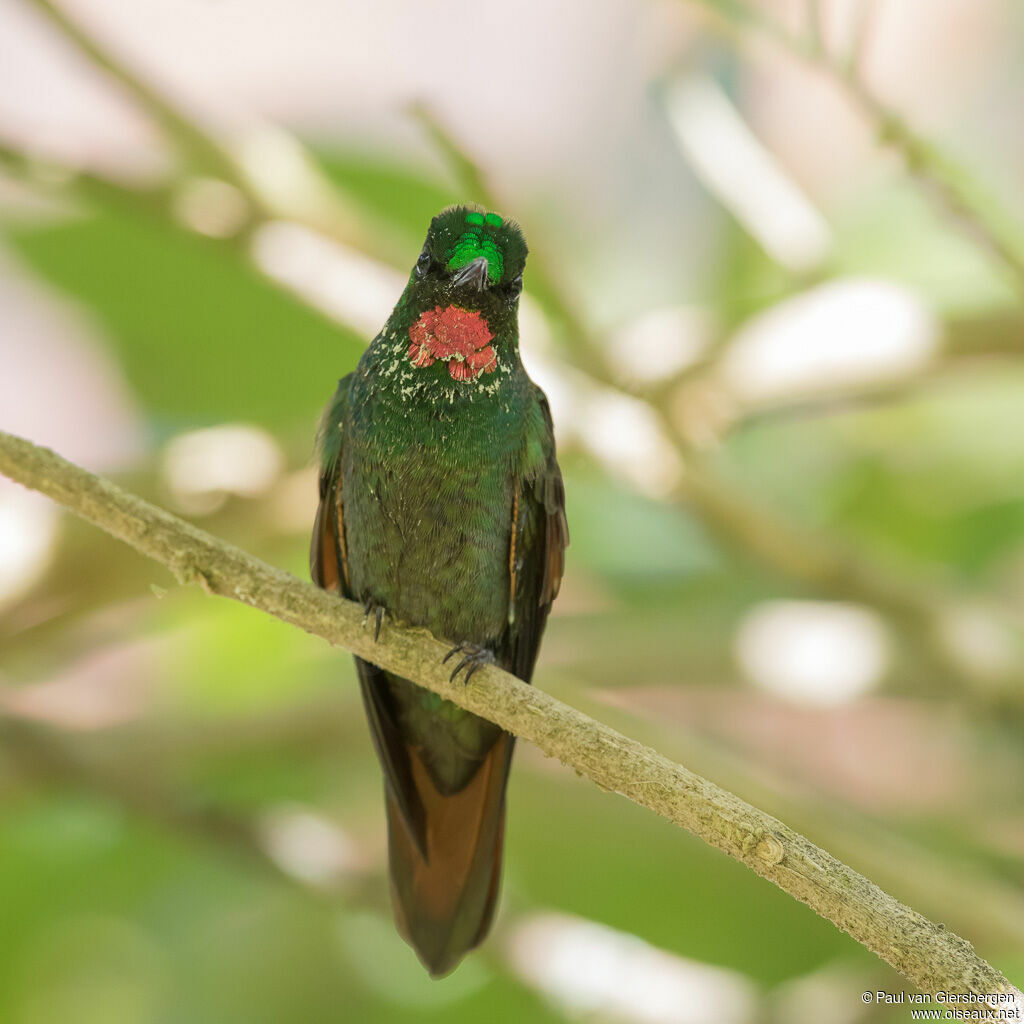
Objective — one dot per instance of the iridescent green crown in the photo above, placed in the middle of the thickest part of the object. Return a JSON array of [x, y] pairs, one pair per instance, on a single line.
[[461, 234], [475, 242]]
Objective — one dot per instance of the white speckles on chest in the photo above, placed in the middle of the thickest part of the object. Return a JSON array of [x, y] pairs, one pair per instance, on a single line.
[[411, 382]]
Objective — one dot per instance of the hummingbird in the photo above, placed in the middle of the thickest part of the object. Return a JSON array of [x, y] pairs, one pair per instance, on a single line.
[[442, 506]]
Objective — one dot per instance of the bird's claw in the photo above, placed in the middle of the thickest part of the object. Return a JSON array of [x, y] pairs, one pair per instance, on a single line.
[[475, 657], [372, 607]]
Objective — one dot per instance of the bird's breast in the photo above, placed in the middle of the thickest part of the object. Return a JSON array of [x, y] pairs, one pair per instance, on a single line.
[[428, 527]]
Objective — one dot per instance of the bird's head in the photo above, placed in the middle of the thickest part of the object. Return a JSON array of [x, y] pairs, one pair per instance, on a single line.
[[459, 311], [472, 257]]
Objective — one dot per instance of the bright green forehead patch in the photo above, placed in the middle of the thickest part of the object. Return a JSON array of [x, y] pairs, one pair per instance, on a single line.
[[479, 219], [472, 245]]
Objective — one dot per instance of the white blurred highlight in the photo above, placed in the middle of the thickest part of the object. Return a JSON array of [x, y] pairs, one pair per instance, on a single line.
[[660, 343], [800, 999], [345, 284], [624, 434], [588, 968], [211, 207], [980, 641], [534, 330], [203, 467], [812, 652], [28, 531], [59, 383], [744, 176], [835, 336], [566, 390], [293, 504], [308, 846], [284, 176], [60, 387]]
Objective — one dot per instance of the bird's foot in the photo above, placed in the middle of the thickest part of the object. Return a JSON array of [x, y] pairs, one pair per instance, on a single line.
[[373, 608], [473, 657]]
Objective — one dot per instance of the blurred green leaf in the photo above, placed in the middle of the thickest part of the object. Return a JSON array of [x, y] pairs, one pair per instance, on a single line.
[[401, 196], [629, 537], [201, 338], [609, 861]]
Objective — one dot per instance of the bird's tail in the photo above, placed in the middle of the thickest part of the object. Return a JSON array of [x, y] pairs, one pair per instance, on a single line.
[[444, 901]]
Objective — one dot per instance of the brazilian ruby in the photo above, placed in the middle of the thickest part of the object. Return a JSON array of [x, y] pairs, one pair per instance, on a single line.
[[441, 502]]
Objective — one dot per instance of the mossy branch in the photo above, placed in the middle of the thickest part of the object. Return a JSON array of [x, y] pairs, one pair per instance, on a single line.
[[925, 953]]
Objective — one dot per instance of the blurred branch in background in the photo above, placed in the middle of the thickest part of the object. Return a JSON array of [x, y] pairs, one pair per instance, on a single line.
[[201, 149], [302, 194], [951, 185], [43, 756], [928, 954]]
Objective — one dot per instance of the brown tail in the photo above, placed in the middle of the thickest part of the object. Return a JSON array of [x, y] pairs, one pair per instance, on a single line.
[[444, 902]]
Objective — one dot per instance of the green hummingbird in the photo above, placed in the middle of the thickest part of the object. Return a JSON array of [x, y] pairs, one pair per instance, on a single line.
[[441, 504]]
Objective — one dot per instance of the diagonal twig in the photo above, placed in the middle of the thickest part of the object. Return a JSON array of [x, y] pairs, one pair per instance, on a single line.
[[926, 953], [945, 182]]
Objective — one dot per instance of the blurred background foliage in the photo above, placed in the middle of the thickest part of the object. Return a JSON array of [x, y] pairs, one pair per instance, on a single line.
[[782, 336]]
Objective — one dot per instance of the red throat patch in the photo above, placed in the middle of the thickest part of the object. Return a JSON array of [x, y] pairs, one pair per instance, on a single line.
[[454, 335]]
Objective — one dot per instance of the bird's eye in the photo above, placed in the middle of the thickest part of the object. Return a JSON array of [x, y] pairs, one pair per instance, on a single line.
[[423, 262]]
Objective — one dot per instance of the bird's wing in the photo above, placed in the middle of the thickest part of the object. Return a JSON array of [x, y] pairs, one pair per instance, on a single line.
[[328, 557], [539, 538], [328, 562]]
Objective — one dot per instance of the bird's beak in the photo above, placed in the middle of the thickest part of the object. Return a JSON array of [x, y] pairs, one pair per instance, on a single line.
[[474, 274]]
